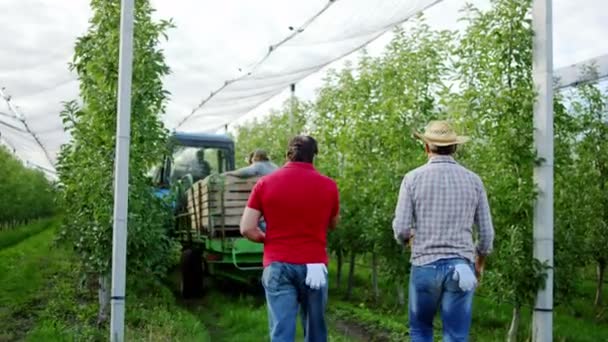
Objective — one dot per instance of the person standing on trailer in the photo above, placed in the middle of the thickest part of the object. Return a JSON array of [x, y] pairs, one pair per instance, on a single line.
[[300, 206], [443, 200], [259, 165]]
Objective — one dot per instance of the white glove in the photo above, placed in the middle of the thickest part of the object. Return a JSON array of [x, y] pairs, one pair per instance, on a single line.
[[316, 276], [466, 278]]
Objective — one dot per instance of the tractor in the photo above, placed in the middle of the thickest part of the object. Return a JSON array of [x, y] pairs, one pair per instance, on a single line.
[[207, 208]]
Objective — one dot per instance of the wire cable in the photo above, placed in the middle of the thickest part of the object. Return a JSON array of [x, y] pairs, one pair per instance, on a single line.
[[267, 95], [14, 110], [271, 49]]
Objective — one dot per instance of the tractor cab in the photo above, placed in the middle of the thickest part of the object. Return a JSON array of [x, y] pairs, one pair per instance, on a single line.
[[193, 156]]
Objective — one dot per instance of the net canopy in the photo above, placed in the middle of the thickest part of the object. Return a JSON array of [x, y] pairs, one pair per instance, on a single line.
[[227, 58]]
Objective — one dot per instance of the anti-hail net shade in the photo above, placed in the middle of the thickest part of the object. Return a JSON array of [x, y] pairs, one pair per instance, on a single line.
[[215, 41], [336, 30], [304, 38]]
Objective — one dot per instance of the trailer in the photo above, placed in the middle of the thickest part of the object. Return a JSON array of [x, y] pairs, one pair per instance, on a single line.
[[207, 208]]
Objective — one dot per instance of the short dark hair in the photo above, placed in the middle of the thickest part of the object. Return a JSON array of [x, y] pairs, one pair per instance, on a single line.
[[259, 155], [443, 150], [302, 148]]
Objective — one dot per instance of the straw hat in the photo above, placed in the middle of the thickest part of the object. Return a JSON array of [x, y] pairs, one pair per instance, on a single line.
[[440, 133]]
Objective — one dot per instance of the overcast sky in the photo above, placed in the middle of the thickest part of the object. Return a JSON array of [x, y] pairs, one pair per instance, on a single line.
[[213, 40]]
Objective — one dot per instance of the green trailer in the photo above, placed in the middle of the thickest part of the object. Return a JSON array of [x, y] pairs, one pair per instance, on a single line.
[[207, 209]]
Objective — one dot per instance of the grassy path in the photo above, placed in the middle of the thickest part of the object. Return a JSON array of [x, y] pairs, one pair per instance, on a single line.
[[24, 273], [12, 237], [43, 298], [236, 316]]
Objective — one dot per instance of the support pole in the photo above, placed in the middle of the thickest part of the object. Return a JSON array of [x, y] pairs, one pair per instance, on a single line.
[[292, 112], [542, 70], [121, 173]]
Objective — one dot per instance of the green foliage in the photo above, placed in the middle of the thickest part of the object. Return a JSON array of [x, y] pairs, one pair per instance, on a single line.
[[364, 119], [86, 163], [494, 64], [591, 109], [271, 134], [25, 194], [481, 79]]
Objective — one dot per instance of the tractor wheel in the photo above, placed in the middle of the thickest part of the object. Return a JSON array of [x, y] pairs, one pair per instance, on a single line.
[[192, 273]]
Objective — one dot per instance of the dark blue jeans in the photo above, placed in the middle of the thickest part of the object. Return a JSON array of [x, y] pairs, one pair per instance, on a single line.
[[286, 294], [432, 288]]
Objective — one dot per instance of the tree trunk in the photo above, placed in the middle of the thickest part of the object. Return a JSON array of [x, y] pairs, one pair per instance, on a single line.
[[512, 335], [340, 260], [601, 268], [103, 293], [351, 276], [400, 295], [375, 277]]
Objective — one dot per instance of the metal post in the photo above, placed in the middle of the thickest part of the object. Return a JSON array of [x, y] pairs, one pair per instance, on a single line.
[[121, 173], [542, 69], [292, 112]]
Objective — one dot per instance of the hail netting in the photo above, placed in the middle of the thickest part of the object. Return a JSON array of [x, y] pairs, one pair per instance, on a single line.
[[339, 28], [214, 42]]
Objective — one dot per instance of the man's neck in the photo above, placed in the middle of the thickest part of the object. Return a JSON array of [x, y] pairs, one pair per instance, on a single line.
[[432, 155]]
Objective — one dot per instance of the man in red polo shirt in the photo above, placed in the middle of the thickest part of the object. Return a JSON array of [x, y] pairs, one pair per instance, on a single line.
[[300, 205]]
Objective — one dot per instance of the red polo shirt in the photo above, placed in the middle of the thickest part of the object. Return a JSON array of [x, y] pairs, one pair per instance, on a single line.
[[298, 204]]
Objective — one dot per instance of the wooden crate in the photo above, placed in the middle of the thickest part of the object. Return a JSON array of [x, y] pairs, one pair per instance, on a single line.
[[216, 204]]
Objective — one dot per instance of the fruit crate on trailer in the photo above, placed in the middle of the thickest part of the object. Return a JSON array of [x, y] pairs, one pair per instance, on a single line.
[[216, 204]]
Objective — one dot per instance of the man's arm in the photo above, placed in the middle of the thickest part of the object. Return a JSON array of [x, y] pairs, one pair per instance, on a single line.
[[249, 225], [404, 213], [245, 172], [483, 220], [335, 217], [334, 222]]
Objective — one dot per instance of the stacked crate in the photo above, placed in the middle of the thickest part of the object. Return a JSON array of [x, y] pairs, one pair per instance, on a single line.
[[216, 204]]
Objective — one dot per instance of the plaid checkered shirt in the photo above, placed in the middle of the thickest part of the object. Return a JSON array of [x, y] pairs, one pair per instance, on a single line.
[[438, 204]]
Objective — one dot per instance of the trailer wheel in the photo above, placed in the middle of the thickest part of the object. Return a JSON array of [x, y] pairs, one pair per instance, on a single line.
[[191, 269]]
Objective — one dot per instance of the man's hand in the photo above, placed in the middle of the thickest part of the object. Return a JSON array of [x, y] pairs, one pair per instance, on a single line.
[[249, 225], [480, 264]]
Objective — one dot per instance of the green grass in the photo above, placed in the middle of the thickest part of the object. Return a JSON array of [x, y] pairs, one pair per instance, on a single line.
[[243, 317], [44, 298], [13, 236], [491, 319], [41, 300], [24, 270]]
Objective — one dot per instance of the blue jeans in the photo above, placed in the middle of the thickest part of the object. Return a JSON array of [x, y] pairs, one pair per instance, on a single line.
[[432, 288], [286, 293]]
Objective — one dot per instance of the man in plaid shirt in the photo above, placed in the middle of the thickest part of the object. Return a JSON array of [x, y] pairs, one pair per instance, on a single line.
[[441, 202]]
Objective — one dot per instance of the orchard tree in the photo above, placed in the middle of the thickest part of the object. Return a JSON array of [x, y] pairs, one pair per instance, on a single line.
[[364, 117], [25, 194], [271, 133], [571, 215], [590, 107], [86, 163], [496, 103]]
